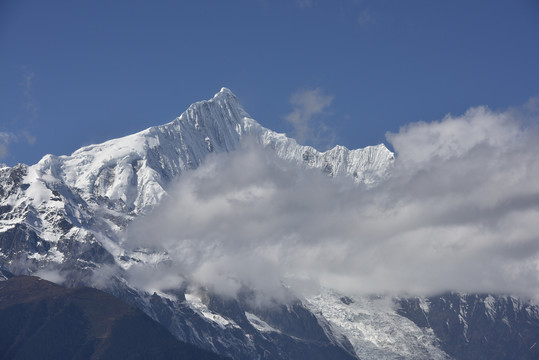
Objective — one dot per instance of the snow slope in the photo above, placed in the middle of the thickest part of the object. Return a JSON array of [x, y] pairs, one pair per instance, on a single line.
[[135, 170]]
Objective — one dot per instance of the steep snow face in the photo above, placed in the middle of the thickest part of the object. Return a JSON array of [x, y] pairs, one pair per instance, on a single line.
[[133, 171], [375, 329], [366, 166]]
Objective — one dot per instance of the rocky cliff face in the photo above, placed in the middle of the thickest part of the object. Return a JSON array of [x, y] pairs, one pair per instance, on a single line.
[[478, 326]]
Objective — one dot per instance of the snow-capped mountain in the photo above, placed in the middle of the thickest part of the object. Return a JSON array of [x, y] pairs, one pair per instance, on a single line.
[[64, 217], [93, 193], [134, 171]]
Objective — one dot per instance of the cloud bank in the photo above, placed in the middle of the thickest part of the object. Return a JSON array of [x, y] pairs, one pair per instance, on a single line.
[[459, 212]]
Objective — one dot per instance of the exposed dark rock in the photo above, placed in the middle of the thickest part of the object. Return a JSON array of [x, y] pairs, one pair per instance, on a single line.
[[346, 300], [21, 240], [479, 327], [4, 209]]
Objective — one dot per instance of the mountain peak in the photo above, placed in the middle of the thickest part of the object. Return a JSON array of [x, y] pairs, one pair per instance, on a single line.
[[225, 91], [132, 172], [225, 94]]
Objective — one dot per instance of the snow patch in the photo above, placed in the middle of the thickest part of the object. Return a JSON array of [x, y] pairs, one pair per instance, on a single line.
[[490, 303], [259, 324], [196, 304], [424, 305]]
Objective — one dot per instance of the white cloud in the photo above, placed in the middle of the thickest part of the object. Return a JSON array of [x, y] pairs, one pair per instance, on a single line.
[[5, 139], [8, 138], [459, 213], [51, 275], [307, 104], [30, 139]]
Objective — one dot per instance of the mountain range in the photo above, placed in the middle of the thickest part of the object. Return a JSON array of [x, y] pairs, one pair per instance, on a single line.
[[65, 219]]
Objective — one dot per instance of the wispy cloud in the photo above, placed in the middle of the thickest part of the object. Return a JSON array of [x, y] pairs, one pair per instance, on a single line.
[[28, 102], [302, 4], [18, 127], [5, 139], [29, 138], [458, 213], [365, 18], [50, 274], [307, 106]]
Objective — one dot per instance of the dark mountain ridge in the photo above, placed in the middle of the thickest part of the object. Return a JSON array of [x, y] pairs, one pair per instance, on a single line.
[[42, 320]]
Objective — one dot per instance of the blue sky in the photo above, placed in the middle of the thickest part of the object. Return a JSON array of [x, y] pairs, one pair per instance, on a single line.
[[330, 72]]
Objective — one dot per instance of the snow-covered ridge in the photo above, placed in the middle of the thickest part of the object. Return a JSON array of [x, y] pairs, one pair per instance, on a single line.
[[92, 194], [135, 170]]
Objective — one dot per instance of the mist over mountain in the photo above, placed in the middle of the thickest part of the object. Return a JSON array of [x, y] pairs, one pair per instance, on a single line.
[[456, 213], [243, 242]]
